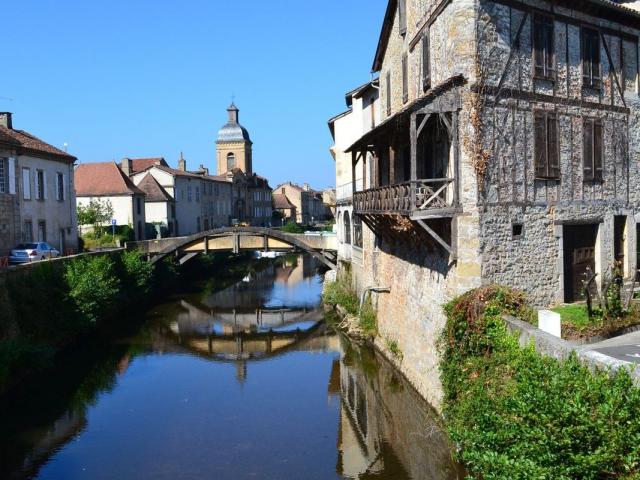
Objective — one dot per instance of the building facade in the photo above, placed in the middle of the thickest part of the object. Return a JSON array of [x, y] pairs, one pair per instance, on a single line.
[[37, 200], [507, 153], [308, 204], [198, 202]]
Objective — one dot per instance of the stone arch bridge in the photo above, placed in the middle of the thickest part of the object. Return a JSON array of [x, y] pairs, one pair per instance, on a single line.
[[323, 246]]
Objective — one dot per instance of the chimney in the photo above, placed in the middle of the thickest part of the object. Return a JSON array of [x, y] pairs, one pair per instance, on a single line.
[[305, 187], [204, 169], [233, 113], [182, 163], [5, 120], [127, 166]]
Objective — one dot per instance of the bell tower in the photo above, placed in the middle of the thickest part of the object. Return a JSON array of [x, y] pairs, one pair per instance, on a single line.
[[233, 146]]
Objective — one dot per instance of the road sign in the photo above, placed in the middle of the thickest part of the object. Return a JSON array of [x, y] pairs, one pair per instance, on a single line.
[[114, 222]]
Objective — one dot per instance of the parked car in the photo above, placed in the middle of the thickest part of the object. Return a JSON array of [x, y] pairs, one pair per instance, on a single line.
[[30, 252]]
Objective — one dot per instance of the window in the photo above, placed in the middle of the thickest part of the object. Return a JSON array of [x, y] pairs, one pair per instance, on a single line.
[[388, 90], [516, 230], [347, 228], [27, 231], [139, 205], [7, 175], [4, 176], [357, 231], [197, 194], [198, 224], [405, 78], [426, 61], [402, 16], [189, 193], [40, 186], [59, 187], [231, 161], [543, 47], [26, 184], [42, 231], [590, 58], [592, 149], [546, 145]]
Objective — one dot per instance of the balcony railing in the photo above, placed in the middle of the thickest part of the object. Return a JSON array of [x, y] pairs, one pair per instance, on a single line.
[[412, 198]]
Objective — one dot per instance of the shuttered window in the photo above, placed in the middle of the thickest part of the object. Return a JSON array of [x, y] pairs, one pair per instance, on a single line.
[[405, 78], [388, 89], [543, 47], [4, 176], [590, 58], [402, 16], [546, 147], [426, 61], [592, 149]]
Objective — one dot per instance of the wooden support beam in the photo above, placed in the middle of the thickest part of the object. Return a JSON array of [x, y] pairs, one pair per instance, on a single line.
[[423, 123], [413, 134], [354, 160], [392, 165], [437, 238], [455, 144]]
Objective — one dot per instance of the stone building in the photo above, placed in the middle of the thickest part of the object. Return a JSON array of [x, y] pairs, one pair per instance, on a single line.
[[37, 201], [309, 203], [252, 201], [507, 152]]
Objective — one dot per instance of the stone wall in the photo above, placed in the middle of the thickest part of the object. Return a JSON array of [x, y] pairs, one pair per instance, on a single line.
[[511, 193]]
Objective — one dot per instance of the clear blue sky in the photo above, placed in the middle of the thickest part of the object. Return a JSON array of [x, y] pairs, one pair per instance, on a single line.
[[143, 78]]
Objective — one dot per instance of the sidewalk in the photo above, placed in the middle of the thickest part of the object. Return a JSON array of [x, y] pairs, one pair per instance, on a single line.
[[625, 347]]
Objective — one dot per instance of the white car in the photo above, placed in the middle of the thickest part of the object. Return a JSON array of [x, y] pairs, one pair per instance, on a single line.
[[30, 252]]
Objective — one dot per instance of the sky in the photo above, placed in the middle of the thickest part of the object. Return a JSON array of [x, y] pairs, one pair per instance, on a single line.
[[146, 78]]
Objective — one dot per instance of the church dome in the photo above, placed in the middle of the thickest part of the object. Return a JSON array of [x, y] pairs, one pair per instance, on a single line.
[[232, 131]]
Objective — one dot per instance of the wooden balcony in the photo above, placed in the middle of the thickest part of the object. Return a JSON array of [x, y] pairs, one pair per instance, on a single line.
[[416, 199]]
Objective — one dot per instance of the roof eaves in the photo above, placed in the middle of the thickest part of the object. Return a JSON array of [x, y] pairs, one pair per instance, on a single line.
[[385, 32]]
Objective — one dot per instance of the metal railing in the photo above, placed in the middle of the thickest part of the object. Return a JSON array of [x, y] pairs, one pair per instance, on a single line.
[[407, 197]]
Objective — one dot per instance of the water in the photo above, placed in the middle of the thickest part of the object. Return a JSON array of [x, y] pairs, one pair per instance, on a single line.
[[245, 382]]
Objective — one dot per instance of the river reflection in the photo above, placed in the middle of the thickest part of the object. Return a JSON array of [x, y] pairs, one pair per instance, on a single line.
[[244, 382]]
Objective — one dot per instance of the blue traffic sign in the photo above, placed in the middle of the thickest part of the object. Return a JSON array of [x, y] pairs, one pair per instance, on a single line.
[[114, 222]]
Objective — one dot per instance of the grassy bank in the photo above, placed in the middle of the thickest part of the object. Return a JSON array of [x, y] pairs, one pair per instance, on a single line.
[[47, 307], [342, 293], [518, 415]]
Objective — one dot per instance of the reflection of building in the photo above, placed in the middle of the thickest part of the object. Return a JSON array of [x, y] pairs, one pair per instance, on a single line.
[[385, 426]]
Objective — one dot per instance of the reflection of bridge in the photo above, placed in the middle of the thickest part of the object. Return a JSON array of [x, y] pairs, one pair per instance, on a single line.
[[234, 334], [236, 239]]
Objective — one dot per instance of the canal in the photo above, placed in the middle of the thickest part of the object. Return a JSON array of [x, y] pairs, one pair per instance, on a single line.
[[246, 381]]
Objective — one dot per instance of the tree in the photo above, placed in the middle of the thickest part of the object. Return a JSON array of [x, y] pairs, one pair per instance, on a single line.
[[96, 213]]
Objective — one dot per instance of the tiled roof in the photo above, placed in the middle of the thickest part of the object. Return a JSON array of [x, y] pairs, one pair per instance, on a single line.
[[102, 179], [34, 145], [153, 190], [281, 202], [139, 164]]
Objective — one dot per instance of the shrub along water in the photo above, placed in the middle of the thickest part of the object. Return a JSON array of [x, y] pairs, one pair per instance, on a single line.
[[53, 303], [518, 415]]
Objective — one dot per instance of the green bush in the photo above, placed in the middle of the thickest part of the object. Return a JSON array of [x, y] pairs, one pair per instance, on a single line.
[[93, 286], [341, 293], [518, 415], [292, 227], [137, 274]]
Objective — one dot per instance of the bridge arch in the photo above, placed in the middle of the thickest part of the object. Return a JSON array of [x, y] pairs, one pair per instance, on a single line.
[[236, 239]]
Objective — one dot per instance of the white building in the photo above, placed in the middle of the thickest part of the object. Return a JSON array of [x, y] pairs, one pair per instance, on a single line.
[[200, 201], [36, 186], [105, 181], [362, 115]]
